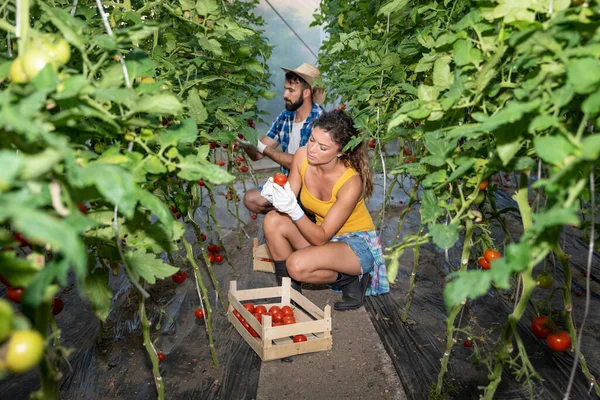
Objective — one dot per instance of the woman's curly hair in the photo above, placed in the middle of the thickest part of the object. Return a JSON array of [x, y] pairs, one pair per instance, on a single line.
[[340, 128]]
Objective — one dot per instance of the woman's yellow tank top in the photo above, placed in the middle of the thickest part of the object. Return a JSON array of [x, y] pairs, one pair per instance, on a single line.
[[359, 220]]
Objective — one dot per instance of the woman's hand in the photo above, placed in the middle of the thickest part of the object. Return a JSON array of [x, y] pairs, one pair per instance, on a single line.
[[267, 190], [284, 200]]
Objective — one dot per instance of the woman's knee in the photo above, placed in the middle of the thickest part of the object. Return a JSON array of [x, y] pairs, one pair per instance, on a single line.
[[295, 266], [273, 223]]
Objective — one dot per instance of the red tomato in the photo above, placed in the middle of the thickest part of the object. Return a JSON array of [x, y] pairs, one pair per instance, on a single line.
[[219, 258], [245, 324], [483, 263], [14, 293], [249, 307], [199, 313], [258, 316], [372, 143], [288, 319], [200, 182], [277, 323], [277, 317], [240, 136], [221, 163], [299, 338], [491, 255], [57, 305], [211, 258], [541, 327], [203, 237], [559, 341], [160, 356], [213, 248], [280, 179], [274, 309], [236, 313], [260, 309], [467, 343], [253, 216], [483, 185], [82, 208], [406, 151], [244, 168], [287, 310], [253, 332], [578, 293], [179, 277], [241, 157]]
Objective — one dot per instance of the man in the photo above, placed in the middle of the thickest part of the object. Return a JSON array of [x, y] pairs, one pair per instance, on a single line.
[[291, 129]]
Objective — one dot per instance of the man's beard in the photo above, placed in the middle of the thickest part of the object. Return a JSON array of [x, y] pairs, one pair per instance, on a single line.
[[294, 106]]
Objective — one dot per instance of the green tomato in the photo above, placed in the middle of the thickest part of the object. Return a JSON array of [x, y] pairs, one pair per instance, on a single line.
[[172, 152], [544, 280], [34, 60], [6, 317], [479, 199], [25, 351], [17, 73], [57, 48]]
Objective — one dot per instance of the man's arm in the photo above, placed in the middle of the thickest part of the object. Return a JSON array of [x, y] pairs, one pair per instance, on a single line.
[[281, 158]]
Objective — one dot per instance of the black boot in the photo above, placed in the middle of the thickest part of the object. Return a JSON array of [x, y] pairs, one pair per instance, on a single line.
[[281, 272], [353, 291]]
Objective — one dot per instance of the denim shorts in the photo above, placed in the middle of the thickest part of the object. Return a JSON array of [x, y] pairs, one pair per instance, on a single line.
[[362, 250]]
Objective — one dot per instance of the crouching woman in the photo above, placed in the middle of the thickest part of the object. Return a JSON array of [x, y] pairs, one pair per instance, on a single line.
[[342, 248]]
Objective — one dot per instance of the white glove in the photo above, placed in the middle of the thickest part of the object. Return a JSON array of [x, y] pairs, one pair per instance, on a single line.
[[284, 200], [267, 190]]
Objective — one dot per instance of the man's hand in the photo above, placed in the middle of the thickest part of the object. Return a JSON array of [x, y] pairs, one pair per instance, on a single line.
[[249, 148], [318, 95]]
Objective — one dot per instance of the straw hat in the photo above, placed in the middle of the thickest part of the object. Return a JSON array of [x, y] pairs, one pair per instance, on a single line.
[[306, 71]]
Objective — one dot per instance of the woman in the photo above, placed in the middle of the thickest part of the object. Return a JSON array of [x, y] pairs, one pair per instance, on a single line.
[[342, 248]]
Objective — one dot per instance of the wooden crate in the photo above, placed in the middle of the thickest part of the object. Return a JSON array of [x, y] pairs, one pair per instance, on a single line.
[[275, 342], [262, 259]]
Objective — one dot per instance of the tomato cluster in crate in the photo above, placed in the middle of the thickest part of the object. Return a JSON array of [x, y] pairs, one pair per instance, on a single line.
[[279, 315], [278, 321]]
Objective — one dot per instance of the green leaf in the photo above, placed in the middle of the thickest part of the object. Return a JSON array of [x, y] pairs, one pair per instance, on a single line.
[[442, 77], [467, 284], [591, 147], [105, 42], [553, 149], [187, 5], [211, 45], [427, 93], [207, 7], [95, 289], [465, 53], [71, 87], [153, 165], [591, 105], [393, 6], [197, 109], [147, 266], [11, 165], [41, 228], [438, 145], [584, 74], [114, 183], [184, 132], [159, 104], [157, 206], [444, 236], [430, 210], [17, 270], [192, 170], [434, 178], [267, 94], [554, 217], [71, 30], [138, 64], [542, 122]]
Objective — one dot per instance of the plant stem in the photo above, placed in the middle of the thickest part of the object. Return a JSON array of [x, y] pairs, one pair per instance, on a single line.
[[412, 282], [150, 347], [450, 329], [208, 316]]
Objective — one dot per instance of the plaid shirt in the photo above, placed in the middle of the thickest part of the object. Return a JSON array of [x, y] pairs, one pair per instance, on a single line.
[[282, 128]]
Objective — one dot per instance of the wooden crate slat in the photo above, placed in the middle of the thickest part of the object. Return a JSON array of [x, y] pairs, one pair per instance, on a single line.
[[286, 350], [307, 305], [262, 259]]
